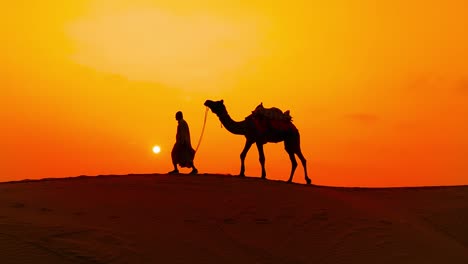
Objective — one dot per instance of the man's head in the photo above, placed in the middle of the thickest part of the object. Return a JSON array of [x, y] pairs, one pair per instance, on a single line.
[[179, 116]]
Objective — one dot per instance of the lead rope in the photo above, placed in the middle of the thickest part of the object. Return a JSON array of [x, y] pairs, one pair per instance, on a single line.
[[203, 130]]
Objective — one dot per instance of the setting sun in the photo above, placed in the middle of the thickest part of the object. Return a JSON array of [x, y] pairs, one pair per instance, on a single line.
[[156, 149]]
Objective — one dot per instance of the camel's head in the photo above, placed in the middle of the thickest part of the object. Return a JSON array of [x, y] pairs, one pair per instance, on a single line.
[[216, 107]]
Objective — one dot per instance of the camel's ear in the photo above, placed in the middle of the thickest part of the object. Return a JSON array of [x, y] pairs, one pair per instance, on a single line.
[[222, 101]]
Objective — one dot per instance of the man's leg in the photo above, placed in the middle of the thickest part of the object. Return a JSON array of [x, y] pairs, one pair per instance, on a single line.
[[194, 170], [174, 163], [175, 171]]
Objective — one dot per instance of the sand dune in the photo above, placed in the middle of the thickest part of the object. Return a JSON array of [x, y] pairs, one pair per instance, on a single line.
[[225, 219]]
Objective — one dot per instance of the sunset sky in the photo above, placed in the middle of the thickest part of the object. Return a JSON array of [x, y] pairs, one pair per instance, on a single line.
[[378, 90]]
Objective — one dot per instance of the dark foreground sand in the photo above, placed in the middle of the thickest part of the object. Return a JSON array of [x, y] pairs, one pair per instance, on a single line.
[[225, 219]]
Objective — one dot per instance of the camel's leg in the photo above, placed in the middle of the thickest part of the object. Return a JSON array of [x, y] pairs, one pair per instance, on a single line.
[[293, 164], [304, 164], [243, 154], [261, 157]]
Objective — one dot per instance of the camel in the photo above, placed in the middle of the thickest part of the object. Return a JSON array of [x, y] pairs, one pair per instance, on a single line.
[[260, 131]]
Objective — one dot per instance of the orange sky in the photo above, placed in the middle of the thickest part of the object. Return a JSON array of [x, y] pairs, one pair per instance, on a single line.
[[379, 91]]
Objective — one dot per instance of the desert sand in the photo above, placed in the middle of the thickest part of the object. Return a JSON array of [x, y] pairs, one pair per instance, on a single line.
[[210, 218]]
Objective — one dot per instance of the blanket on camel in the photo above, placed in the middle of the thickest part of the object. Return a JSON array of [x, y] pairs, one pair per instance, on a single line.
[[271, 119], [272, 113]]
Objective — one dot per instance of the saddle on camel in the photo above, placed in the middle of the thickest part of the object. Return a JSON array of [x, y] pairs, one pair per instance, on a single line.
[[271, 118]]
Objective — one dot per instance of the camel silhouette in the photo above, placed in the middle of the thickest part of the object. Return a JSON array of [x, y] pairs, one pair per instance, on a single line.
[[261, 130]]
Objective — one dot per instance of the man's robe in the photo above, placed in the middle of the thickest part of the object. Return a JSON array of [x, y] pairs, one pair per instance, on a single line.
[[182, 152]]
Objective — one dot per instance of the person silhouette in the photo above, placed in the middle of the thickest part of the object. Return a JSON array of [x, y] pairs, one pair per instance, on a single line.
[[182, 153]]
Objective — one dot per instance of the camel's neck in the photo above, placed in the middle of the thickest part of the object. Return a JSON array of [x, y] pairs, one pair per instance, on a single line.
[[238, 128]]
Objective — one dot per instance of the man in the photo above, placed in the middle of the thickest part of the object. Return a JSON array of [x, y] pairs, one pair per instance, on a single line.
[[182, 153]]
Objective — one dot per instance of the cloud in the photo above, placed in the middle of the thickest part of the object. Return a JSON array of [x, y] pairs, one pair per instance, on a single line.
[[427, 81], [147, 44], [363, 118], [438, 84]]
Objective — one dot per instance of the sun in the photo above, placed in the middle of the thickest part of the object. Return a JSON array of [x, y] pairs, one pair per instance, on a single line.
[[156, 149]]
